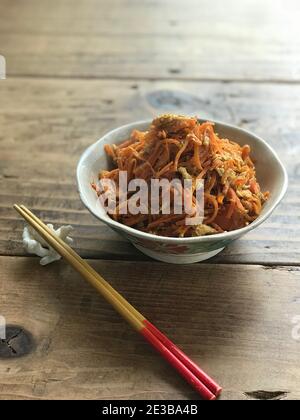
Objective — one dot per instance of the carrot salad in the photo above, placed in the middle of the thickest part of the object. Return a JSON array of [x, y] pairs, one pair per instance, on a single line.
[[181, 147]]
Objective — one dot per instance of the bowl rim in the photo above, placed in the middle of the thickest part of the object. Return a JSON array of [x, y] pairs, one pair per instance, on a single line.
[[145, 235]]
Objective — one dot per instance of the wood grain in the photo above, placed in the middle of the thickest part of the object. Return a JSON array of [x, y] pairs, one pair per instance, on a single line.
[[248, 40], [235, 320], [76, 70], [46, 125]]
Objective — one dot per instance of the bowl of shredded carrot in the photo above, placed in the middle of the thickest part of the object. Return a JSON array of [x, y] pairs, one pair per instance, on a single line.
[[241, 177]]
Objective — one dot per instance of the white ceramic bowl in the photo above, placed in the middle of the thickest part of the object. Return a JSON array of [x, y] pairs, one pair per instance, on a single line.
[[271, 175]]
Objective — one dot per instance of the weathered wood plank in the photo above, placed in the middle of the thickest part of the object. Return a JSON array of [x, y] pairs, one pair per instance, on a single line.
[[250, 40], [236, 321], [46, 124]]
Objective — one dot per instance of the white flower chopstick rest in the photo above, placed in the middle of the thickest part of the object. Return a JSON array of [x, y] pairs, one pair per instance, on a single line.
[[35, 244]]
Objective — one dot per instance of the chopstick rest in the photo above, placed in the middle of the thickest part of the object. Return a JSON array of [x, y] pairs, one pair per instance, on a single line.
[[33, 243]]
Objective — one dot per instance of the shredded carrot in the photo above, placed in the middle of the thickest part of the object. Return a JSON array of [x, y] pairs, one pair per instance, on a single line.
[[164, 169], [110, 151], [211, 200], [254, 186], [220, 198], [179, 153], [181, 147], [196, 158]]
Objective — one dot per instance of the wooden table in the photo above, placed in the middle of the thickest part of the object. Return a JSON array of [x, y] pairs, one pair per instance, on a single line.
[[76, 70]]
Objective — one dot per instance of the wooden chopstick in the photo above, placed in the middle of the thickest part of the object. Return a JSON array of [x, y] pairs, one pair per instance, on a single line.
[[158, 340], [88, 267], [197, 371]]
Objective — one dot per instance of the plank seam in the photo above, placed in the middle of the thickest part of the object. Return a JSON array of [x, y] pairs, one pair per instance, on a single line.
[[292, 266], [154, 78]]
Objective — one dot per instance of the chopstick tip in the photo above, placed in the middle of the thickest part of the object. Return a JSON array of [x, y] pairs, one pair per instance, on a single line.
[[219, 391], [18, 209]]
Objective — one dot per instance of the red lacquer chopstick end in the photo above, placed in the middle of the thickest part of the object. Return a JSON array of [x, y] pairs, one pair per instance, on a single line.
[[177, 364], [197, 371]]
